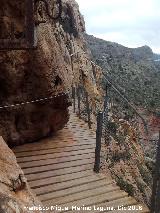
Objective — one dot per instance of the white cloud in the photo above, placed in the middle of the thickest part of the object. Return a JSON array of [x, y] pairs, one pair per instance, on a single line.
[[129, 22]]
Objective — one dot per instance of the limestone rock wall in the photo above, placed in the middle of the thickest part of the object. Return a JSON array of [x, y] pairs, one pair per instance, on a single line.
[[46, 71], [27, 75]]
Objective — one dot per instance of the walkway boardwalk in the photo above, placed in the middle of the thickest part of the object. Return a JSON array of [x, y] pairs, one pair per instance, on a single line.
[[60, 172]]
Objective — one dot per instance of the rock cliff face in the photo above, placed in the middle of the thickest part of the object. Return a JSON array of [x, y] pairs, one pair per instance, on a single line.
[[28, 75], [15, 194], [40, 73]]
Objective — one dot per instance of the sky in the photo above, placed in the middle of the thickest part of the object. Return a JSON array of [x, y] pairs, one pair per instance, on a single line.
[[132, 23]]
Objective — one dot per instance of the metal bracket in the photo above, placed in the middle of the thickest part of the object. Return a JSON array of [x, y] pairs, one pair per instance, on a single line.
[[28, 41]]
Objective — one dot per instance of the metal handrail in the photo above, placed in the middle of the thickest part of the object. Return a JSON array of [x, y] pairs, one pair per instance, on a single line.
[[124, 97], [76, 93], [127, 101], [155, 204]]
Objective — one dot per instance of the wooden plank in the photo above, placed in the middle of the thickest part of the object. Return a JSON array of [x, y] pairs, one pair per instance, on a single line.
[[46, 198], [84, 194], [67, 184], [54, 155], [52, 144], [39, 163], [59, 179], [63, 135], [58, 166], [59, 172], [47, 142], [77, 132], [55, 150]]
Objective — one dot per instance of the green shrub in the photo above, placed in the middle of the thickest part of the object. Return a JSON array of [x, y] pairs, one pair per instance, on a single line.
[[141, 187], [146, 175], [124, 185]]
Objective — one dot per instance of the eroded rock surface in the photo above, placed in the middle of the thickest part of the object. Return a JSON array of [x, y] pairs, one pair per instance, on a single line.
[[15, 194], [43, 72]]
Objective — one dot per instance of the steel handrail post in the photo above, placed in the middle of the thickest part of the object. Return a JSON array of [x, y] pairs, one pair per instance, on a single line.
[[74, 98], [88, 110], [98, 142], [106, 112], [79, 101]]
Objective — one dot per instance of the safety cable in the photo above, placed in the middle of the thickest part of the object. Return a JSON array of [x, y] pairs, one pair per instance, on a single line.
[[32, 101]]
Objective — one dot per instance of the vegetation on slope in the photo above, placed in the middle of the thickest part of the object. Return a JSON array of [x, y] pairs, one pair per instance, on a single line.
[[136, 71]]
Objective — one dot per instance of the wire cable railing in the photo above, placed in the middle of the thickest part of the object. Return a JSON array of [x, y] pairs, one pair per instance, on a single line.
[[82, 102], [102, 118], [37, 100], [155, 199]]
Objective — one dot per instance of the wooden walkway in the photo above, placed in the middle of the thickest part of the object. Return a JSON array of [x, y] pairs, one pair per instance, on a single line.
[[60, 172]]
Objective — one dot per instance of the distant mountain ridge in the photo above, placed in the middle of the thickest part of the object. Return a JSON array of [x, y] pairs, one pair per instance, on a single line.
[[139, 53], [137, 70]]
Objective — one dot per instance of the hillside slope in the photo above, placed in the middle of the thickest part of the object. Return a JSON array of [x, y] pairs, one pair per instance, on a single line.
[[135, 70], [136, 73]]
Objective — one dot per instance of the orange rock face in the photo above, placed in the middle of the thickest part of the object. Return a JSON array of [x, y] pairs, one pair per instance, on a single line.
[[27, 75]]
